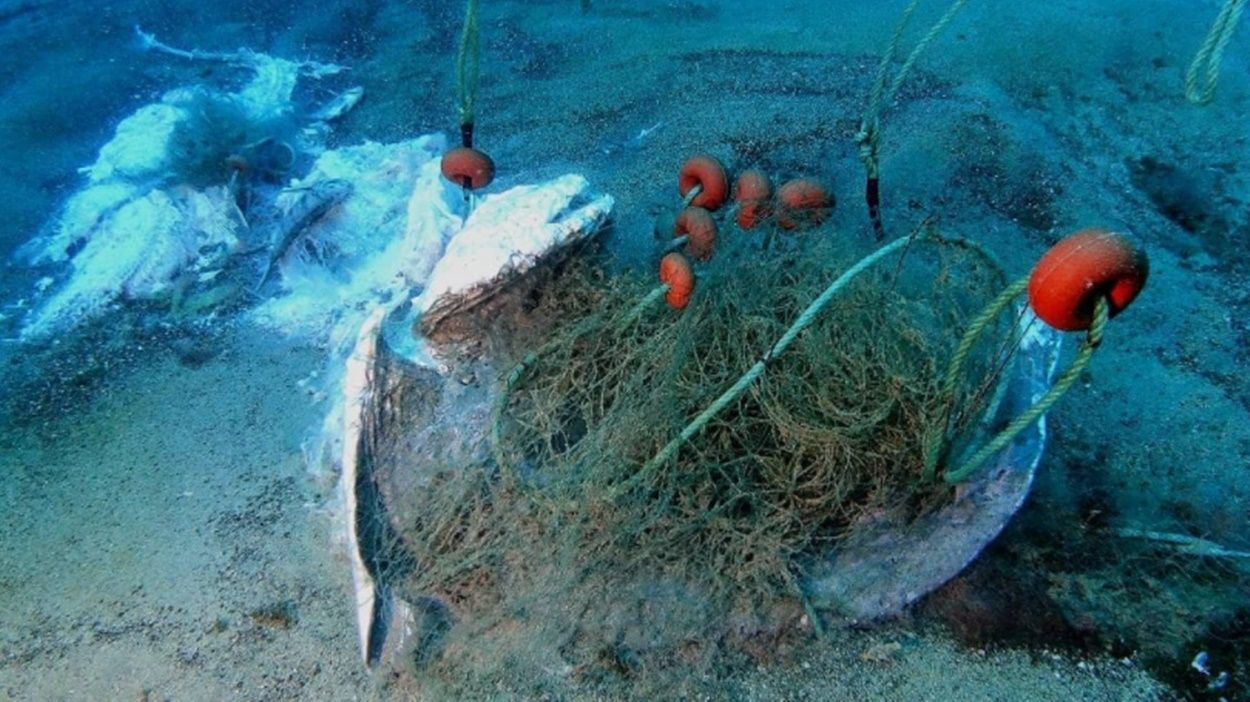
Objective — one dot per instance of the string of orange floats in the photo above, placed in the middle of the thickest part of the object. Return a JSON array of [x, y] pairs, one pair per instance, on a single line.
[[703, 185]]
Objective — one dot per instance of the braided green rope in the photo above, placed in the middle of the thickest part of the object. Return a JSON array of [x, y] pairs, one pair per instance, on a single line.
[[735, 391], [1205, 68], [650, 299], [938, 441], [883, 69], [868, 142], [466, 65], [1022, 422], [868, 137], [676, 243], [691, 194], [923, 44], [869, 126]]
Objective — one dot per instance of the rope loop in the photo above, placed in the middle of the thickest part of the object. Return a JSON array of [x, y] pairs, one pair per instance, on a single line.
[[1026, 419], [867, 140], [939, 441], [884, 89]]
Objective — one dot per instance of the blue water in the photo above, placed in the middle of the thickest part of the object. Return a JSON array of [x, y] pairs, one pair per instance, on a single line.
[[163, 530]]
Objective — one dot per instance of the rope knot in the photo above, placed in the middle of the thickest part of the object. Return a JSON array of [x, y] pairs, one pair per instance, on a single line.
[[867, 139]]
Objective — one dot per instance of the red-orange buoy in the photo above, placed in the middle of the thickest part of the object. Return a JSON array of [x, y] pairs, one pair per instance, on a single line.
[[463, 164], [804, 202], [675, 272], [707, 172], [751, 192], [697, 224], [1086, 266]]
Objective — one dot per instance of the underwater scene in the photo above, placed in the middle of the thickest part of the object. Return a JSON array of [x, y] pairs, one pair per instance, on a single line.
[[625, 350]]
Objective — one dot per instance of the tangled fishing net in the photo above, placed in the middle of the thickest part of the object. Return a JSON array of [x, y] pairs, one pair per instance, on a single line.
[[560, 564]]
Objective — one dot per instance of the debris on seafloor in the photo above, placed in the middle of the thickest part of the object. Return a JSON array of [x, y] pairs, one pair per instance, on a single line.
[[506, 236], [280, 615], [419, 415], [528, 225], [339, 106], [310, 205], [888, 564], [162, 197], [634, 142], [1202, 664]]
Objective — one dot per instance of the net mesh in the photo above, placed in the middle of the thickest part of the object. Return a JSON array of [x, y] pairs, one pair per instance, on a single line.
[[557, 576]]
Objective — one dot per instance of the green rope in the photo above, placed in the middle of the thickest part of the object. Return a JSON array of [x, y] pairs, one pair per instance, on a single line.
[[869, 135], [691, 194], [1205, 68], [676, 244], [735, 391], [1026, 419], [650, 299], [955, 371], [923, 44], [680, 241], [883, 69], [466, 65], [868, 140]]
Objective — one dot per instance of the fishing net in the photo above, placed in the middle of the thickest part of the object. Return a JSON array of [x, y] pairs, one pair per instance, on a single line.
[[557, 568]]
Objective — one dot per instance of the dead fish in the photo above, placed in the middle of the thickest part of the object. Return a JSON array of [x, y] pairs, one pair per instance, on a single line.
[[312, 204], [339, 106]]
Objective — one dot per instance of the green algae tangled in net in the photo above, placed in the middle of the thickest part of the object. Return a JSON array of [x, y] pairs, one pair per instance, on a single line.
[[541, 546]]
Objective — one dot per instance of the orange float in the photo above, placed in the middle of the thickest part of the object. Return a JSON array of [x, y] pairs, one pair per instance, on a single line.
[[675, 272], [697, 224], [804, 202], [1081, 269], [751, 192], [468, 167], [706, 172]]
